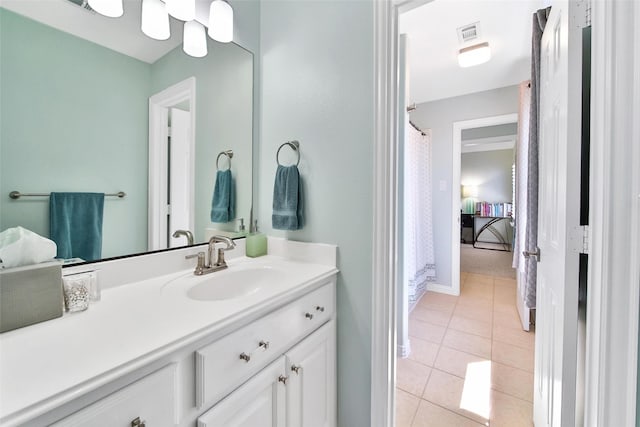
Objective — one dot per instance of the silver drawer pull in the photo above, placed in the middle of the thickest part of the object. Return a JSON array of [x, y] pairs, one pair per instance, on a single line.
[[320, 309], [245, 357], [296, 369], [283, 379], [308, 316], [263, 344]]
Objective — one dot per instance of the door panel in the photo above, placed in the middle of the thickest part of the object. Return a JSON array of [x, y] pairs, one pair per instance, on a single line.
[[558, 216], [180, 176]]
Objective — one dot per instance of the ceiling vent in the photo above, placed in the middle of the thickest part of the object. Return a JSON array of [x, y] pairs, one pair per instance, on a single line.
[[469, 32], [83, 4]]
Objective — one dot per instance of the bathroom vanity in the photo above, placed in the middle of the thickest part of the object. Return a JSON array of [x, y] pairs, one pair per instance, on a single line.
[[252, 345]]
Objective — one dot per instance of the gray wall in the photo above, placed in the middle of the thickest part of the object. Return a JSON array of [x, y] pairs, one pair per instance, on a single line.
[[317, 87], [490, 171], [440, 116]]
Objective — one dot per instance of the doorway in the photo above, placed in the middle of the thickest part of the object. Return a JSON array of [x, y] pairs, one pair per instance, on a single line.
[[171, 163]]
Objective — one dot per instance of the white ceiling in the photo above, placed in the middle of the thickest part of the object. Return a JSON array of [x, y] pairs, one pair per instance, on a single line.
[[121, 34], [433, 42]]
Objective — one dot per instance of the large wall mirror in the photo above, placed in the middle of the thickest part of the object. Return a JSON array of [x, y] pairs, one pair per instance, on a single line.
[[75, 91]]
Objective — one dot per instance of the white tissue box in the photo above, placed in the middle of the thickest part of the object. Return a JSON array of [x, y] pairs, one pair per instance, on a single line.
[[30, 294]]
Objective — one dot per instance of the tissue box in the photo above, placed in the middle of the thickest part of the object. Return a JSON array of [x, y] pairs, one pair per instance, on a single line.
[[30, 294]]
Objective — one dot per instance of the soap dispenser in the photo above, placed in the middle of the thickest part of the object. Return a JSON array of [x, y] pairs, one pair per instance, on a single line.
[[241, 229], [256, 242]]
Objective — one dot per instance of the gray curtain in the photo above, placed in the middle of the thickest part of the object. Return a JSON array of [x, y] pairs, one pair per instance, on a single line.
[[539, 22]]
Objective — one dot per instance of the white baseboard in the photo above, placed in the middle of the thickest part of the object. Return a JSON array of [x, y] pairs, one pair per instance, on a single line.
[[404, 350], [434, 287]]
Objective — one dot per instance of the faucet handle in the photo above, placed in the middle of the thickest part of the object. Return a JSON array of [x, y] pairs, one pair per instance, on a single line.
[[200, 265]]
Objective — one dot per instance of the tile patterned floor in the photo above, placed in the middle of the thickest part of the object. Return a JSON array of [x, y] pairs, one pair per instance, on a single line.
[[471, 363]]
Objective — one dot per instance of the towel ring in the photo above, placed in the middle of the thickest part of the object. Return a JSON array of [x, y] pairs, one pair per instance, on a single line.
[[295, 146], [229, 154]]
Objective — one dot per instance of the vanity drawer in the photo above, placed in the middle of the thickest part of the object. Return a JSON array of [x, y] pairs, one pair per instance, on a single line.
[[151, 399], [225, 364]]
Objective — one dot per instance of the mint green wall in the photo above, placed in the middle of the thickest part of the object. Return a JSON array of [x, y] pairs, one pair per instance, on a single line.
[[223, 120], [317, 87], [69, 106]]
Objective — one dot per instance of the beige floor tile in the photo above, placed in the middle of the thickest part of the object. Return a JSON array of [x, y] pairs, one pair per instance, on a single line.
[[469, 343], [411, 376], [423, 351], [406, 408], [511, 355], [512, 381], [509, 411], [430, 415], [470, 326], [507, 298], [515, 337], [507, 319], [456, 362], [426, 331], [504, 307], [482, 312], [476, 297], [436, 317], [479, 278], [464, 397], [441, 302], [505, 282]]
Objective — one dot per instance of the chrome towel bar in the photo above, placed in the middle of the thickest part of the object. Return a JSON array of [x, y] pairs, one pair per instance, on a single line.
[[17, 194]]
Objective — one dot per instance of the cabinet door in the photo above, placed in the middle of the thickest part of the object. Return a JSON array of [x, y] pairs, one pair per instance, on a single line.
[[260, 402], [151, 400], [311, 389]]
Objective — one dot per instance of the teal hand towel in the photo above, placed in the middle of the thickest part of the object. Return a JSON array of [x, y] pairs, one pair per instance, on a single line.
[[223, 203], [287, 199], [75, 222]]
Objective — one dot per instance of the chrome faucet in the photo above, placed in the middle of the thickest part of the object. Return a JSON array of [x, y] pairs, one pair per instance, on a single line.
[[208, 266], [187, 234]]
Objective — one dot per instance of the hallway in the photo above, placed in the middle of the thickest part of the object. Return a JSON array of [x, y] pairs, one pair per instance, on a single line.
[[471, 363]]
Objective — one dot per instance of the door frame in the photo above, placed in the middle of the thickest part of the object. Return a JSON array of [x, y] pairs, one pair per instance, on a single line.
[[456, 172], [612, 347], [158, 156]]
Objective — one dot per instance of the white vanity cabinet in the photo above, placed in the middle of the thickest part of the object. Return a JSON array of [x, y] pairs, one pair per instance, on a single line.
[[297, 390]]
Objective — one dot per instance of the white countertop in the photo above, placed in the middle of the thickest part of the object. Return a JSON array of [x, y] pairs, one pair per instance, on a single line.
[[48, 364]]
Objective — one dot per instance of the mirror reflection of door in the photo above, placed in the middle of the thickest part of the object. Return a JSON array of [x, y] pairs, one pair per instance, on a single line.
[[178, 174]]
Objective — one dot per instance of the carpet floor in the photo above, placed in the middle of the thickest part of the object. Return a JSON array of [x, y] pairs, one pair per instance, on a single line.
[[484, 261]]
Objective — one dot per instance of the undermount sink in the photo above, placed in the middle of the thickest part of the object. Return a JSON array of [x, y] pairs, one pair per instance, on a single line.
[[230, 283]]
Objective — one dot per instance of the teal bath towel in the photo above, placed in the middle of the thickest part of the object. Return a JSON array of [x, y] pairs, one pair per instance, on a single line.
[[223, 203], [287, 199], [75, 221]]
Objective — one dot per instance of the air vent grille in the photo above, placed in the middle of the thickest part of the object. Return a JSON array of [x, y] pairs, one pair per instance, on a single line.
[[469, 32]]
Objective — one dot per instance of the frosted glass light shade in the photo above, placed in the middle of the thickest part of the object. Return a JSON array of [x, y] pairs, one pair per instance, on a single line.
[[184, 10], [474, 55], [221, 21], [469, 191], [194, 41], [110, 8], [155, 20]]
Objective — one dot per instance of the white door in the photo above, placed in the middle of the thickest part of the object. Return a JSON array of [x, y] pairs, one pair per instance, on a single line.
[[558, 219], [311, 391], [179, 177], [260, 402]]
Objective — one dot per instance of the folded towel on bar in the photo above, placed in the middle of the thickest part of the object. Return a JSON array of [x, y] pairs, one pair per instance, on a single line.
[[75, 221], [223, 203], [287, 199], [19, 246]]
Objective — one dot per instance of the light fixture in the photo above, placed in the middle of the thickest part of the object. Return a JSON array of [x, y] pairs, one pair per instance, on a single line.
[[221, 21], [469, 191], [194, 41], [184, 10], [474, 55], [155, 20], [110, 8]]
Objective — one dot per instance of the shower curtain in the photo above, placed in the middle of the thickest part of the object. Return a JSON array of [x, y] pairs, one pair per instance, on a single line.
[[419, 253], [522, 182]]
